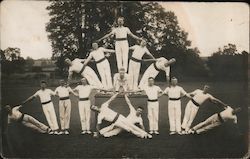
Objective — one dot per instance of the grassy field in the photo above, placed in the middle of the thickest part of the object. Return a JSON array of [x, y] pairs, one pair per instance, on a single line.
[[226, 141]]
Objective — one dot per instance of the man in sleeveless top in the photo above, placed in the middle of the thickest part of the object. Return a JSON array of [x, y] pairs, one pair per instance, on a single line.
[[121, 43]]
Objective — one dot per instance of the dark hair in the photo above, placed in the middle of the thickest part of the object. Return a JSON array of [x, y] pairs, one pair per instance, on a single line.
[[140, 108], [122, 69], [43, 81], [173, 78], [120, 18], [236, 110], [151, 78], [6, 107]]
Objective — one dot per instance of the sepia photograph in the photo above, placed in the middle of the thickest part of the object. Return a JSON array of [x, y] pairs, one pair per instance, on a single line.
[[133, 79]]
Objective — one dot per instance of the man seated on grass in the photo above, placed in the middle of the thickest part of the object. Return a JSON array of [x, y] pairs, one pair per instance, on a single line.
[[118, 120], [14, 115], [216, 120], [134, 117]]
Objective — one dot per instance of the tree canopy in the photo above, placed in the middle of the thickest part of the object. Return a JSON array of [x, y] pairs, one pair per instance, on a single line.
[[228, 63], [74, 25]]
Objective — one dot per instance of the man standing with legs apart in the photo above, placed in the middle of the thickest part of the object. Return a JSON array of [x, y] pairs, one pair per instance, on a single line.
[[121, 43], [102, 64], [175, 93], [135, 63], [48, 108], [160, 64], [77, 66], [153, 92], [84, 90], [118, 120], [63, 92], [199, 97]]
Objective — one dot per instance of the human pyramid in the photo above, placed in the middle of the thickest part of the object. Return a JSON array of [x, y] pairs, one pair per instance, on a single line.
[[124, 84]]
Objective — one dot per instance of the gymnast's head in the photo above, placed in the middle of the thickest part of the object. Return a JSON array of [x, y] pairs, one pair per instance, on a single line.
[[143, 43], [68, 61], [151, 81], [122, 72], [94, 46], [139, 111], [7, 108], [95, 108], [174, 81], [120, 21]]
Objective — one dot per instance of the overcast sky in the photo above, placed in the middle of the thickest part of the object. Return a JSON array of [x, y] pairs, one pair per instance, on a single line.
[[210, 25]]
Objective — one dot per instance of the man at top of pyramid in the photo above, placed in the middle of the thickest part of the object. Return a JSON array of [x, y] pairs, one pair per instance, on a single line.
[[121, 43]]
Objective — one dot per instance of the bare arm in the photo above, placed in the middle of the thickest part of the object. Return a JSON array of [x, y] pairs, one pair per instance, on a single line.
[[104, 37], [149, 60], [70, 75], [28, 99], [191, 94], [160, 93], [108, 50], [217, 101], [87, 60], [112, 98], [185, 94], [72, 92], [131, 107], [134, 36], [149, 54]]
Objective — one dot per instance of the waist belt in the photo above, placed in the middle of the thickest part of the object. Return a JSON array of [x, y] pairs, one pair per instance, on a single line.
[[46, 102], [195, 103], [82, 70], [175, 98], [156, 67], [220, 118], [116, 117], [135, 59], [99, 61], [64, 98], [83, 99], [21, 118], [121, 39], [152, 100]]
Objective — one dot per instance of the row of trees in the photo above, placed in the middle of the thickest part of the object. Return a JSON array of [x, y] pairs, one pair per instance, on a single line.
[[74, 25], [228, 64], [11, 61]]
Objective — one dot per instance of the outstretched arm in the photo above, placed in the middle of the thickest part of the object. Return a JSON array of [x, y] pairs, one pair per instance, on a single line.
[[70, 75], [112, 98], [72, 91], [28, 99], [184, 93], [131, 107], [217, 101], [104, 37], [134, 36], [148, 53], [149, 60], [87, 60], [108, 50]]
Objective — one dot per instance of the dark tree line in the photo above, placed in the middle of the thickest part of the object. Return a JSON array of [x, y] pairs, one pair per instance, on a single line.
[[228, 64], [11, 61], [74, 25]]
